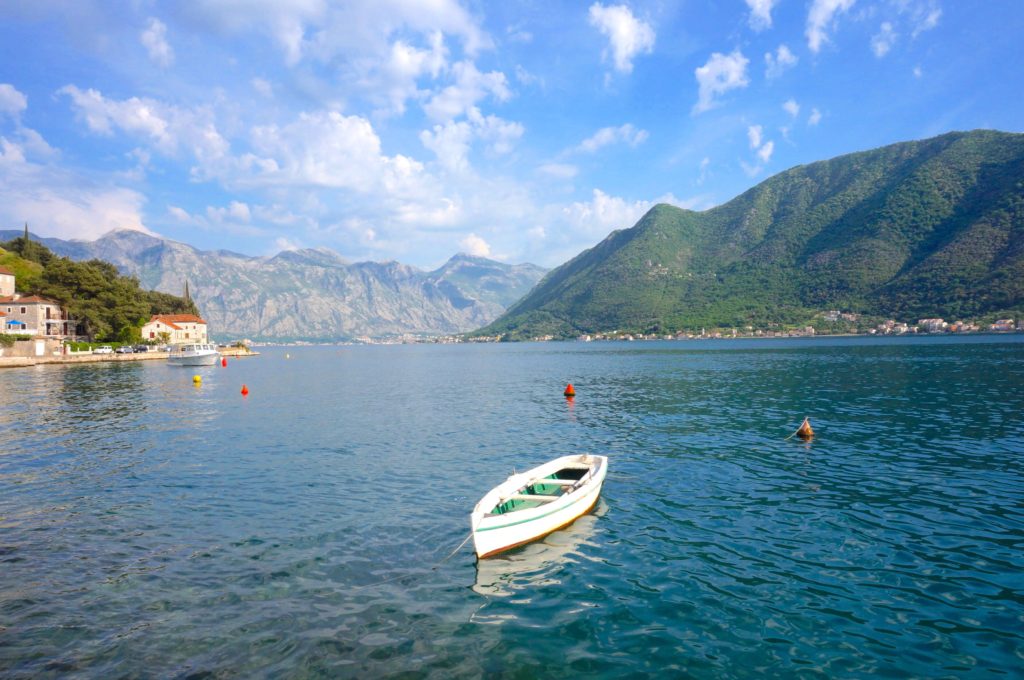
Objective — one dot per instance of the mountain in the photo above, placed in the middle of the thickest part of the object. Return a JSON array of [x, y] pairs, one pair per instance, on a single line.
[[311, 294], [911, 230]]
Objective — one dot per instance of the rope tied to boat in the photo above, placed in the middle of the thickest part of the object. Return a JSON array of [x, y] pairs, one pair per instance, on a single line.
[[452, 553], [402, 576]]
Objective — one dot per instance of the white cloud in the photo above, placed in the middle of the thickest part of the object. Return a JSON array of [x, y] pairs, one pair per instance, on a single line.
[[283, 243], [470, 87], [519, 34], [263, 87], [627, 134], [760, 13], [12, 102], [603, 213], [814, 118], [918, 72], [751, 170], [925, 17], [791, 107], [883, 41], [235, 212], [169, 129], [381, 48], [474, 245], [34, 144], [627, 36], [762, 148], [327, 149], [777, 64], [704, 164], [63, 204], [452, 141], [822, 18], [525, 77], [154, 39], [559, 170], [720, 74], [754, 135], [239, 211], [179, 213], [396, 79]]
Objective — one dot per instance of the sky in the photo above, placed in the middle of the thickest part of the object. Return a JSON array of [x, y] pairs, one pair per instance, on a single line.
[[409, 130]]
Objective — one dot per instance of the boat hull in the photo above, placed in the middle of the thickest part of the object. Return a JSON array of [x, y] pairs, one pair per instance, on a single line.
[[494, 534], [197, 360], [198, 354]]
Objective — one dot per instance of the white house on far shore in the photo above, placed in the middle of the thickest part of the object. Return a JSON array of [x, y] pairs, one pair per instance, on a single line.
[[180, 329]]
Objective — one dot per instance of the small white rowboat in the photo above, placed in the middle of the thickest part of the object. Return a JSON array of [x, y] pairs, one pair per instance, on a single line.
[[532, 504]]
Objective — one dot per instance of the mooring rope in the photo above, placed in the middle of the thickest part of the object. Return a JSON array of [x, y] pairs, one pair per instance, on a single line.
[[432, 568], [452, 553]]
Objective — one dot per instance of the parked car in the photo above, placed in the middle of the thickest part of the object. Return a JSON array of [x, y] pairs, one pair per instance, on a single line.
[[141, 348], [124, 349], [105, 349]]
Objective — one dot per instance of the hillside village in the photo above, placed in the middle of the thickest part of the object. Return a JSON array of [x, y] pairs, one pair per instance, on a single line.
[[47, 328]]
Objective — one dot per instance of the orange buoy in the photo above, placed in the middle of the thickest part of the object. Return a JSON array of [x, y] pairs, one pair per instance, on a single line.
[[223, 361], [245, 390], [805, 431], [569, 391]]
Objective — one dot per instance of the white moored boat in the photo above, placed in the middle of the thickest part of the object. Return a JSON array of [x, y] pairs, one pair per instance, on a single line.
[[197, 354], [532, 504]]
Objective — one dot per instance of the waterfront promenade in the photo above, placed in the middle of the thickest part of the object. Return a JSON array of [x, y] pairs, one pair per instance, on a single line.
[[88, 357]]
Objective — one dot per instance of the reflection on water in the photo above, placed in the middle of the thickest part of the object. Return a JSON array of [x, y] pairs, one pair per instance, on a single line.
[[538, 564]]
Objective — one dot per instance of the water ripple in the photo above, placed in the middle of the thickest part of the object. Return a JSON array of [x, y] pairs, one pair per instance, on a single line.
[[148, 524]]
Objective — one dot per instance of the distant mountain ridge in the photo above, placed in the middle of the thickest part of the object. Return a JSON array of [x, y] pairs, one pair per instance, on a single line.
[[311, 294], [911, 230]]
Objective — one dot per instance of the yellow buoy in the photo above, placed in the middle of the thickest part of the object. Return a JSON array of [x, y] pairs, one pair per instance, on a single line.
[[197, 380]]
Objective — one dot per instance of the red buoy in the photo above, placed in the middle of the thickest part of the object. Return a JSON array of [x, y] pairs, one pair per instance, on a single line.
[[569, 391], [223, 361], [245, 390], [805, 431]]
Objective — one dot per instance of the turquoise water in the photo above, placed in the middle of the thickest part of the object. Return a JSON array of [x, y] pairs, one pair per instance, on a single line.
[[149, 528]]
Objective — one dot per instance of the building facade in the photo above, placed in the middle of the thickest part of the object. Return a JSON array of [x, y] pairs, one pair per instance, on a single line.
[[6, 282], [34, 315], [175, 329]]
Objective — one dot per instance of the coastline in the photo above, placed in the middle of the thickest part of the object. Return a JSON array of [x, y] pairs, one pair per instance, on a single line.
[[84, 358]]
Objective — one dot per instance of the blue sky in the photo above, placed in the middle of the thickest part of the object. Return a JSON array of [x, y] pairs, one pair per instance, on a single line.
[[413, 129]]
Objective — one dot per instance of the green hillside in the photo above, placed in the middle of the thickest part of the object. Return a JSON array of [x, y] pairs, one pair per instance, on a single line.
[[911, 230]]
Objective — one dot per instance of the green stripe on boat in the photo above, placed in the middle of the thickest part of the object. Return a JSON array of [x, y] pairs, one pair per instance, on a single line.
[[534, 519]]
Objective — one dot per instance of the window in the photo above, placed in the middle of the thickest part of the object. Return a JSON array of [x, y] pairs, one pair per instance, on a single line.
[[22, 310], [152, 335]]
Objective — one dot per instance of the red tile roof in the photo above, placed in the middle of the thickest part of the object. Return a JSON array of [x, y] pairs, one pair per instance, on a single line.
[[173, 320], [30, 299], [5, 270]]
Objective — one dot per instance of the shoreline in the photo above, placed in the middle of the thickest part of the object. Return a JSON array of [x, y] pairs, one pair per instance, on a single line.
[[67, 359]]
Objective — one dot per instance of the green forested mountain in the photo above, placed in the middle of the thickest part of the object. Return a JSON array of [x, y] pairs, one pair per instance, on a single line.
[[107, 306], [911, 230]]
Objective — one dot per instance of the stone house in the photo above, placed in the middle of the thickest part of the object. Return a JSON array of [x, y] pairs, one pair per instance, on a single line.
[[34, 315], [180, 328]]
